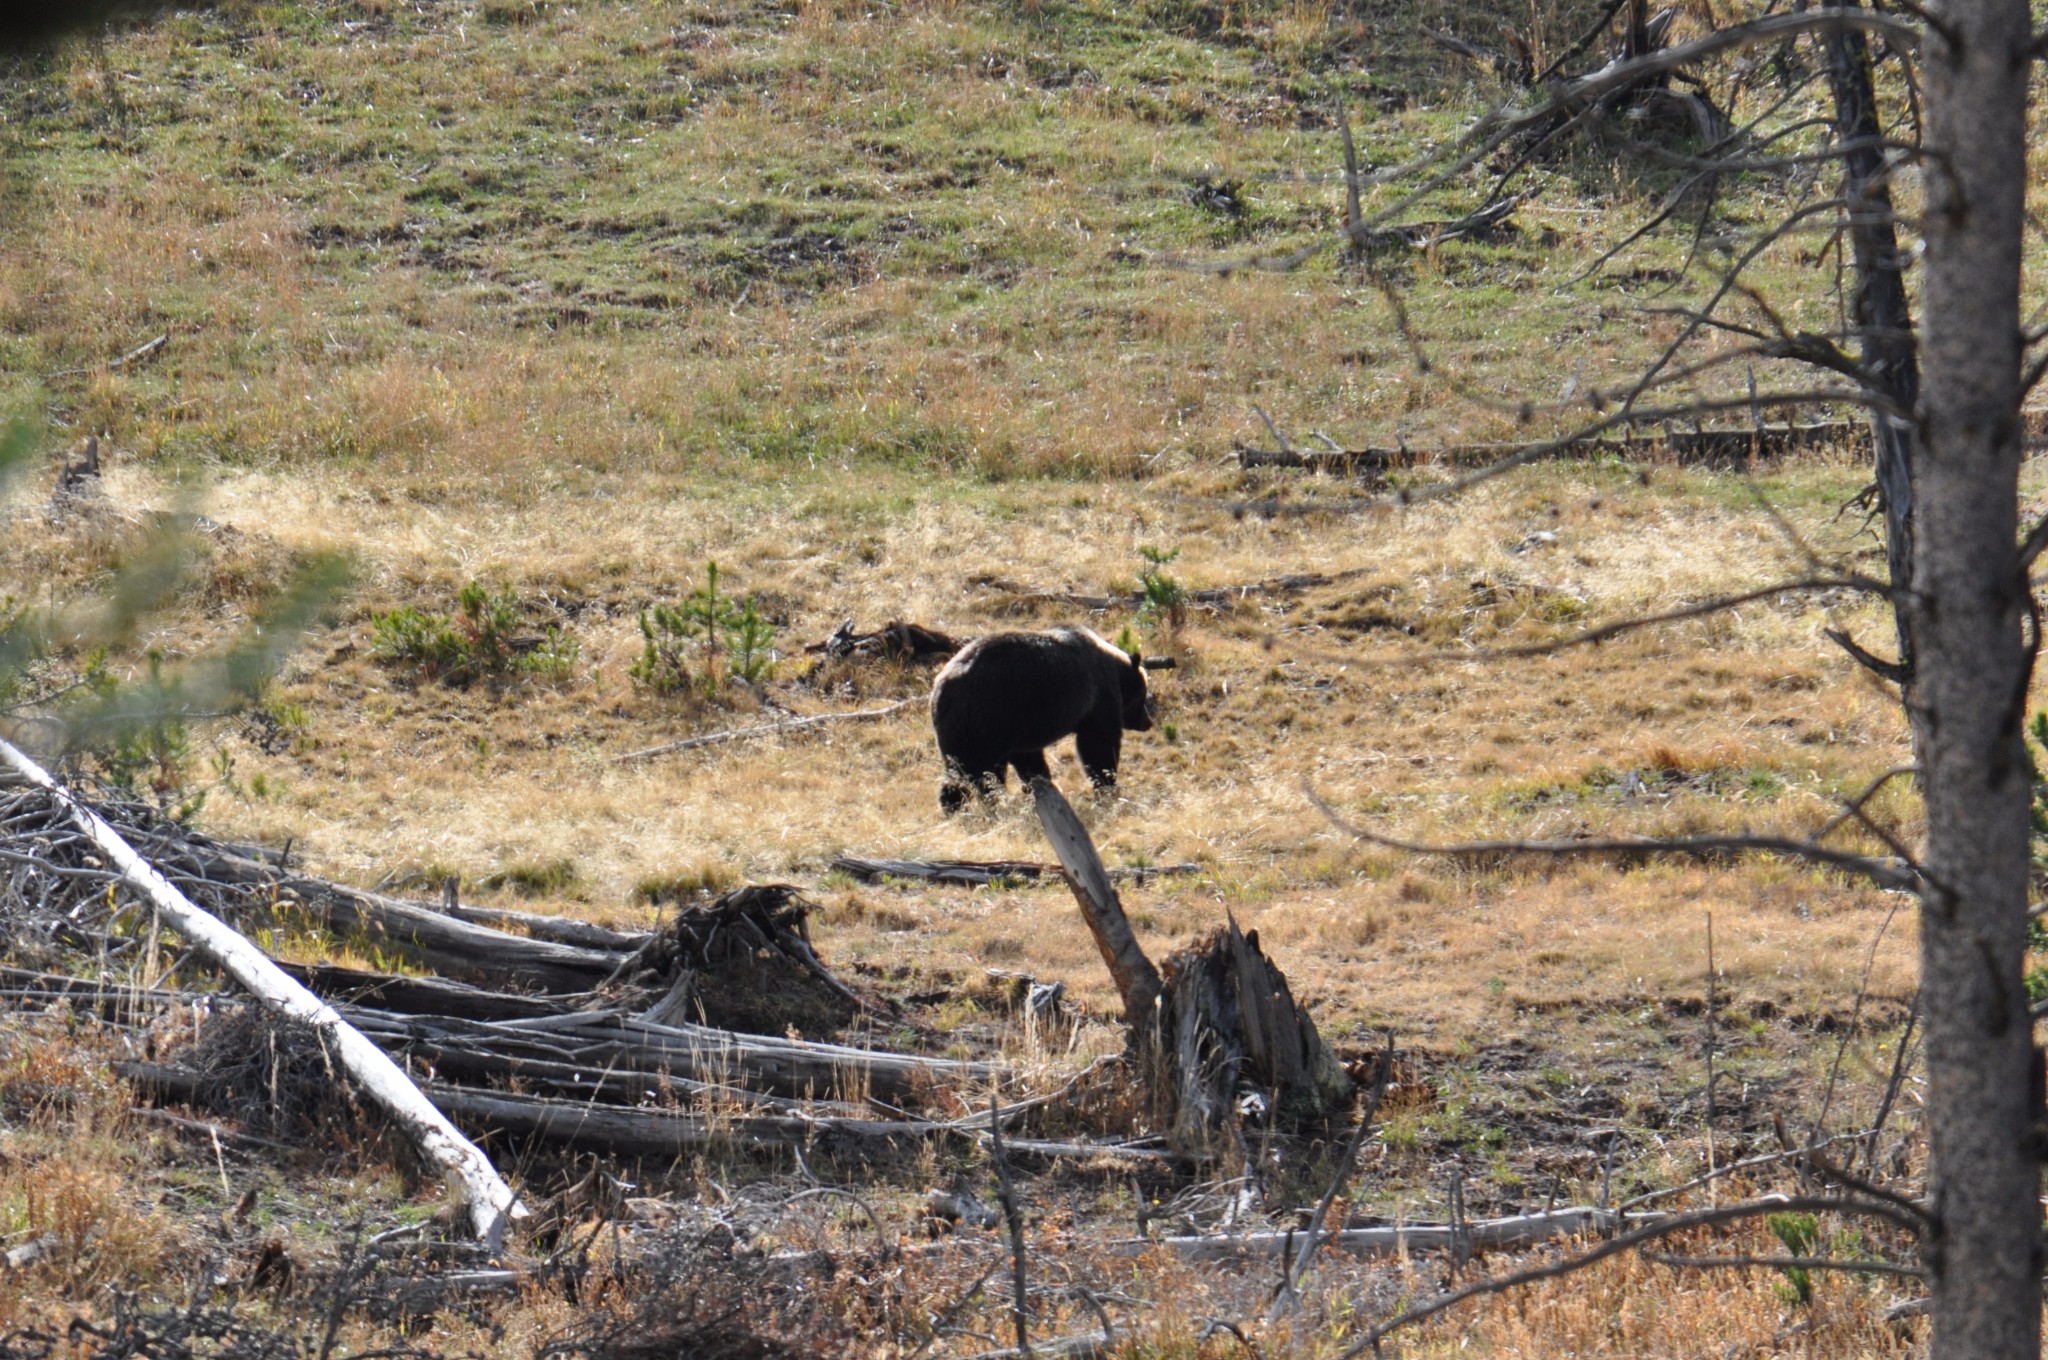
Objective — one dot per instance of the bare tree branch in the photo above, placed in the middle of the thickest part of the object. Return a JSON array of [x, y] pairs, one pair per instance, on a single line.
[[1906, 878]]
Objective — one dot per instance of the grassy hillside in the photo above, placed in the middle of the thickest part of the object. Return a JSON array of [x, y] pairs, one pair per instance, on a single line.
[[887, 310]]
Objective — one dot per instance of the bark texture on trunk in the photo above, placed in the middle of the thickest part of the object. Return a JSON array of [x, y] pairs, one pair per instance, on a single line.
[[1984, 1252]]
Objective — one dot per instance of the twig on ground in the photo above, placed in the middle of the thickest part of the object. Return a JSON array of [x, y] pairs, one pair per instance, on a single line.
[[772, 729], [1702, 1218], [1007, 1194], [1295, 1266]]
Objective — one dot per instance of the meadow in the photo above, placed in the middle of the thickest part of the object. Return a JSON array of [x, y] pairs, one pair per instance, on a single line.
[[895, 311]]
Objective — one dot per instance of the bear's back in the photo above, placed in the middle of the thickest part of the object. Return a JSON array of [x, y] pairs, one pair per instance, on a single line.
[[1034, 687]]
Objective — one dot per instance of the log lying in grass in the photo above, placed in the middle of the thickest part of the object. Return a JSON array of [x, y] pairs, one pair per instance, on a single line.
[[419, 995], [981, 872], [489, 1199], [894, 641], [1694, 448], [1493, 1234], [645, 1130], [554, 929], [609, 1041], [451, 947], [671, 1133]]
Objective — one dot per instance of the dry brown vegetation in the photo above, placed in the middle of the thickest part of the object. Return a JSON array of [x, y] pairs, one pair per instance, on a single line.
[[866, 304]]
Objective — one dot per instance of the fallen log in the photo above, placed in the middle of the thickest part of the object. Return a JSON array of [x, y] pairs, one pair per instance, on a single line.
[[554, 929], [1495, 1234], [451, 947], [419, 995], [981, 872], [781, 727], [490, 1201], [607, 1040], [668, 1133], [1722, 448]]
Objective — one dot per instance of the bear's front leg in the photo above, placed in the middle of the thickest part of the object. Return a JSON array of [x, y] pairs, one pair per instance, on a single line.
[[1099, 746], [1030, 765]]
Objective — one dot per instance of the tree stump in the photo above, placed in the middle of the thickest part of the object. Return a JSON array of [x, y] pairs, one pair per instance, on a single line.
[[1219, 1037], [1234, 1039], [742, 961]]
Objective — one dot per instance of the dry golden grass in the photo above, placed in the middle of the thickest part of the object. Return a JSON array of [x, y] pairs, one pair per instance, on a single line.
[[1745, 721]]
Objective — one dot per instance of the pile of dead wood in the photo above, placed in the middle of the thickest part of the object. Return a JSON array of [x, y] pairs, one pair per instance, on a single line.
[[641, 1045]]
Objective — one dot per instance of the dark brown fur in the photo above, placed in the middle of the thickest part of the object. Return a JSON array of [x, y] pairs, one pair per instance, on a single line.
[[1004, 698]]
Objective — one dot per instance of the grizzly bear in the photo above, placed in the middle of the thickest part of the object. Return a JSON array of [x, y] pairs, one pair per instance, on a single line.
[[1004, 698]]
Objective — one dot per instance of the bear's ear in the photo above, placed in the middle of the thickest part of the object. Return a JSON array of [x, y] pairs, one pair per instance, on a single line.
[[1137, 660]]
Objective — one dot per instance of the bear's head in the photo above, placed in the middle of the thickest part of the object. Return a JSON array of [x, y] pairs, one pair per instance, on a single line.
[[1140, 708]]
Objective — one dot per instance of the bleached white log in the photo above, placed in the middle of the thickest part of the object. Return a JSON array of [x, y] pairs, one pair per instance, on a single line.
[[1487, 1234], [488, 1198]]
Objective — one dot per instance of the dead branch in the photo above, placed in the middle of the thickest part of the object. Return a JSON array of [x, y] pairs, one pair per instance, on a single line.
[[142, 351], [1704, 609], [491, 1202], [1137, 981], [1785, 1263], [1013, 1217], [1478, 225], [781, 727], [1497, 1234], [1907, 877], [1296, 1266]]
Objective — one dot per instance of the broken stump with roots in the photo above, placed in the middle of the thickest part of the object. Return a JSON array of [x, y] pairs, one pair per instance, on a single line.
[[742, 961], [1220, 1038]]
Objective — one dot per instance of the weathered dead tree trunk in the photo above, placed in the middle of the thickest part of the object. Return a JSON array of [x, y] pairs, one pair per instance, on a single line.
[[1219, 1034], [1887, 363], [1234, 1035], [1137, 981]]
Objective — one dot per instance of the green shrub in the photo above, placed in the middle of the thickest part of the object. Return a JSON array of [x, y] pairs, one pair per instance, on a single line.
[[1163, 600], [478, 639], [725, 638]]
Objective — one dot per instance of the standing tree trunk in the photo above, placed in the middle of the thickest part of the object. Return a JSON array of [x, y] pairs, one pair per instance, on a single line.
[[1983, 1254], [1884, 324]]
